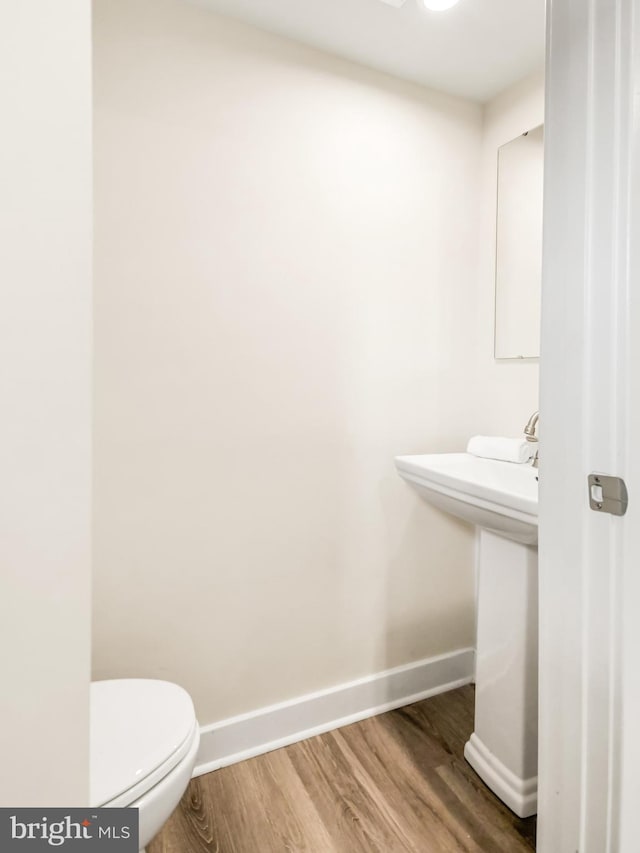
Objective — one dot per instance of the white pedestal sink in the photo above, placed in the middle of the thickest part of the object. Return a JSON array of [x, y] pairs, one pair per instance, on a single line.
[[501, 498]]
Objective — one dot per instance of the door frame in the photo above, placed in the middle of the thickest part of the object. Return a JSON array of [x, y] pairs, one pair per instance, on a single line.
[[589, 628]]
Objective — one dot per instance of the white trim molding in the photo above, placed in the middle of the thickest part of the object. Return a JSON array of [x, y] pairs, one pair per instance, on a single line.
[[238, 738], [588, 568]]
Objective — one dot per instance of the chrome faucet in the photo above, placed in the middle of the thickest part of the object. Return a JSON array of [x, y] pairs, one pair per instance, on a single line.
[[530, 433]]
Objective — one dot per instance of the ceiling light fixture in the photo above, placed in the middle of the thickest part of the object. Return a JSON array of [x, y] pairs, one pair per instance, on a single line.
[[439, 5]]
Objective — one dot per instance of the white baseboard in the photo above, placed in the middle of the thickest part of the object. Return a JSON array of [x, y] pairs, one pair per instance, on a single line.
[[266, 729]]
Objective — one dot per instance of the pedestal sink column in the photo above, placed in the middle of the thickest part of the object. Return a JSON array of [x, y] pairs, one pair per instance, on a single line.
[[500, 498], [503, 748]]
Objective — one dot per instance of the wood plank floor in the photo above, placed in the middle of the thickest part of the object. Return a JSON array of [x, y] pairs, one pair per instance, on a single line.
[[390, 784]]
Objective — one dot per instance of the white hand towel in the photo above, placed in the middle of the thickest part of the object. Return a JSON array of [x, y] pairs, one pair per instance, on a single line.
[[505, 449]]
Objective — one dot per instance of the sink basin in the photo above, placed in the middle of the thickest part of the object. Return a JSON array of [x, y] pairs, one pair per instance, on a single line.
[[498, 496]]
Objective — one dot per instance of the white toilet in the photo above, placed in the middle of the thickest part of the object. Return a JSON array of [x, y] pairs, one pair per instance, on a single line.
[[144, 740]]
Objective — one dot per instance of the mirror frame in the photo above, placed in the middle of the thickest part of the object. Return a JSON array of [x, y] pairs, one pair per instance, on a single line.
[[524, 358]]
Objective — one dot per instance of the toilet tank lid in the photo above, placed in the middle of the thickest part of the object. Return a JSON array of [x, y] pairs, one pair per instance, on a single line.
[[136, 726]]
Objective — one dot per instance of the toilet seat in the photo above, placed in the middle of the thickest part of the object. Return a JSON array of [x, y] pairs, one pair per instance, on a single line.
[[140, 731]]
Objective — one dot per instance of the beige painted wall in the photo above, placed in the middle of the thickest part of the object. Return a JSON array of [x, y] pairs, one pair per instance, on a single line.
[[285, 298], [45, 402], [507, 391]]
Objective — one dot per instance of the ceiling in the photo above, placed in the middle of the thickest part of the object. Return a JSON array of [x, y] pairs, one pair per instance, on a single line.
[[475, 50]]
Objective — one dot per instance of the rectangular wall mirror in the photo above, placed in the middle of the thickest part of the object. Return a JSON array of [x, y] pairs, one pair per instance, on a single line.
[[519, 247]]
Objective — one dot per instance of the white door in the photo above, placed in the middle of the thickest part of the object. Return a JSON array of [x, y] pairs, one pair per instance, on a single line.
[[45, 402], [590, 422]]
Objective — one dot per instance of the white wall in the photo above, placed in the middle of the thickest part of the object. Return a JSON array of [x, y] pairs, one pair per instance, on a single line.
[[285, 298], [45, 336], [506, 391]]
